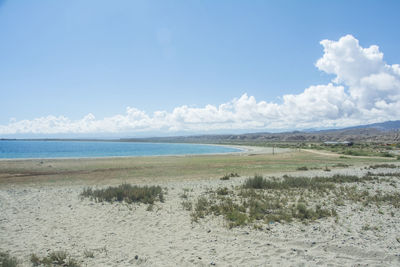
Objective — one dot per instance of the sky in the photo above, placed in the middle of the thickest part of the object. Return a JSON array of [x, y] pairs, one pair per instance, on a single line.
[[153, 68]]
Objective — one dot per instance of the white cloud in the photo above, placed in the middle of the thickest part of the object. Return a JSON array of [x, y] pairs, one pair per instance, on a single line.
[[362, 70], [364, 89], [349, 61]]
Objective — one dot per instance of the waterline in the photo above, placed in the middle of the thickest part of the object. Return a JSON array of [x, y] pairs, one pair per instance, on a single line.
[[18, 149]]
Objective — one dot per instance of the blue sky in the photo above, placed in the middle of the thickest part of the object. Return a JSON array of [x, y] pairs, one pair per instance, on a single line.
[[63, 60]]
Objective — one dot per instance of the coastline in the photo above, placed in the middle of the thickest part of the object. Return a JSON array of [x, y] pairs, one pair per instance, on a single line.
[[255, 160], [242, 149]]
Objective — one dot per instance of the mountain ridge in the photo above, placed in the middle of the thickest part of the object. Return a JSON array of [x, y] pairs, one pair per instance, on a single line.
[[388, 131]]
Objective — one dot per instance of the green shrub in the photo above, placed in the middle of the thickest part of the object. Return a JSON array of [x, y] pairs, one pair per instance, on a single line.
[[58, 257], [229, 175], [55, 258], [257, 182], [6, 260], [127, 193], [387, 155], [303, 168], [236, 218], [303, 212], [222, 191], [384, 165], [187, 205], [341, 165], [35, 260], [88, 253], [289, 198], [355, 153], [200, 209]]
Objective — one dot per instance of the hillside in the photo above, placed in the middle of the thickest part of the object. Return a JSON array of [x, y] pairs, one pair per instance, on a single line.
[[379, 132]]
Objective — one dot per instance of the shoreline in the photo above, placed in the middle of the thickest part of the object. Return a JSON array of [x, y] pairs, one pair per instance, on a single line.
[[242, 149], [254, 160]]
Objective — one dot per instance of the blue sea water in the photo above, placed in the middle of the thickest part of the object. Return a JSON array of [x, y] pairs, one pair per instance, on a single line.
[[83, 149]]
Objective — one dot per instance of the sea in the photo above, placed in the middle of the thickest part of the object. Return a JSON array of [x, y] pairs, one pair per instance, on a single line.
[[17, 149]]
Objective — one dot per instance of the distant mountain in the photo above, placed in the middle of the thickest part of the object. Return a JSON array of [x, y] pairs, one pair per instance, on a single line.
[[383, 126], [378, 132]]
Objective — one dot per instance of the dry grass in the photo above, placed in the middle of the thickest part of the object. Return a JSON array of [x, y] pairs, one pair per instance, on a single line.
[[229, 175], [125, 192], [6, 260], [260, 200], [55, 258], [383, 165], [170, 168]]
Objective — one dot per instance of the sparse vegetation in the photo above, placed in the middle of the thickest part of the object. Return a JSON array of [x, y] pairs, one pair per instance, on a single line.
[[255, 207], [341, 165], [258, 182], [368, 227], [172, 168], [127, 193], [229, 175], [365, 149], [6, 260], [150, 207], [384, 165], [222, 191], [35, 260], [55, 258], [261, 200], [302, 168], [362, 149], [381, 174], [265, 200], [58, 257], [187, 205], [184, 195], [88, 253], [314, 183]]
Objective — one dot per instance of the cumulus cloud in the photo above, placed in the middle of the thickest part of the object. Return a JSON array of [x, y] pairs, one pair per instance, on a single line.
[[364, 89], [369, 79]]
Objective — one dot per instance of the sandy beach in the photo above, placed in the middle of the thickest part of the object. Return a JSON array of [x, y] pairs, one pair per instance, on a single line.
[[199, 133], [43, 217]]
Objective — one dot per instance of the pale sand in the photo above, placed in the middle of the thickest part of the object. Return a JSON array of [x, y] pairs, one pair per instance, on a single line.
[[42, 218]]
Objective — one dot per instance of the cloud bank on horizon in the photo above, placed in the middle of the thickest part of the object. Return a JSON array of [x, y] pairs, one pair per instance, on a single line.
[[365, 89]]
